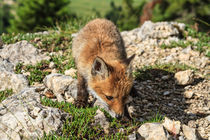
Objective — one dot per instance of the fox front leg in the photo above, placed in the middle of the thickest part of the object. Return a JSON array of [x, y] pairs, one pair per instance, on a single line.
[[82, 93]]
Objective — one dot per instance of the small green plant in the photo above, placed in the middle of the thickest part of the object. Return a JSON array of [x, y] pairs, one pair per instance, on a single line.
[[63, 62], [53, 41], [13, 38], [37, 72], [80, 125], [5, 93], [156, 118]]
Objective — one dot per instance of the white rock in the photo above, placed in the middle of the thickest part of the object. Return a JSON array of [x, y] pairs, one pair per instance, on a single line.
[[22, 52], [189, 94], [132, 136], [71, 100], [208, 118], [10, 80], [52, 65], [102, 120], [152, 131], [61, 85], [6, 65], [181, 138], [189, 132], [102, 105], [172, 126], [131, 110], [24, 117], [54, 71], [184, 57], [184, 77], [157, 30], [71, 72]]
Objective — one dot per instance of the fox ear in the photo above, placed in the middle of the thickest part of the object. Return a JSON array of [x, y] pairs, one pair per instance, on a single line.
[[99, 68], [129, 68], [130, 59]]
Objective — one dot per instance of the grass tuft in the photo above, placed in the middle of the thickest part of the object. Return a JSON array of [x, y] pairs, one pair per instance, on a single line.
[[36, 73], [81, 124], [5, 93]]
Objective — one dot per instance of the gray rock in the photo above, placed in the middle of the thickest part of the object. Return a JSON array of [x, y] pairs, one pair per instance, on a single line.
[[189, 132], [22, 52], [6, 65], [184, 77], [208, 118], [152, 131], [181, 138], [104, 106], [184, 57], [52, 65], [71, 72], [189, 94], [102, 120], [187, 50], [61, 85], [165, 93], [10, 80], [134, 136], [158, 30], [24, 117], [165, 77]]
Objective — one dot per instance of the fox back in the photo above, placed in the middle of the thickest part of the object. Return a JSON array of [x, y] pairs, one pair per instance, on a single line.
[[102, 63]]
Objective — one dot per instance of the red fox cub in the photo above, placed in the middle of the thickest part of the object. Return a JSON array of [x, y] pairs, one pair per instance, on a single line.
[[103, 66]]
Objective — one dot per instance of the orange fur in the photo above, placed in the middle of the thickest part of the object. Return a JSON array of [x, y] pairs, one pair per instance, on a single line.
[[101, 38]]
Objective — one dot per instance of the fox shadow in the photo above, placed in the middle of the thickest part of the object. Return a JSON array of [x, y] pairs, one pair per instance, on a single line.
[[155, 92]]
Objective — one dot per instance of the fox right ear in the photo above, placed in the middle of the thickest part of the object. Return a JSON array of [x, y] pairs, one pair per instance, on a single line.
[[130, 59], [99, 68]]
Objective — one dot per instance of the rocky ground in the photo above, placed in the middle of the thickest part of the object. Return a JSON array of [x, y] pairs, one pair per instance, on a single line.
[[171, 82]]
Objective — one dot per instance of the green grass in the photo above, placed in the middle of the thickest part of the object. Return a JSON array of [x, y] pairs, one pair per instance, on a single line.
[[84, 8], [203, 44], [148, 72], [37, 72], [63, 62], [41, 69], [58, 37], [4, 94], [52, 42], [80, 125]]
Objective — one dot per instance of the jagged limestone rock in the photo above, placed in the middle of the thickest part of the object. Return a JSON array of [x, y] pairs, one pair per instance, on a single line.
[[22, 116], [61, 85], [22, 52]]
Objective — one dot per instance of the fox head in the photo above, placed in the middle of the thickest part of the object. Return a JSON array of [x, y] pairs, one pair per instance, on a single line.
[[112, 83]]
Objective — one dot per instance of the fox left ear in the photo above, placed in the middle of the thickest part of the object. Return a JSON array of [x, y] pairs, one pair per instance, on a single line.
[[130, 59], [100, 68]]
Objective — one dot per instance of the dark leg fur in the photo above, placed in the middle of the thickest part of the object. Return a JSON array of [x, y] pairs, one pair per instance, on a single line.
[[82, 93], [133, 92]]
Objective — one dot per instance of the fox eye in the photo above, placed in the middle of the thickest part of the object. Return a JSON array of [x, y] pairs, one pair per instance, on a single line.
[[109, 97]]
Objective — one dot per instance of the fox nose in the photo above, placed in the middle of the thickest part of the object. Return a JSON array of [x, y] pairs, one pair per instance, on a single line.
[[119, 116]]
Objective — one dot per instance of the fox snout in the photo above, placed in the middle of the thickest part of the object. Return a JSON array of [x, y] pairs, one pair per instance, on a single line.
[[118, 108]]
